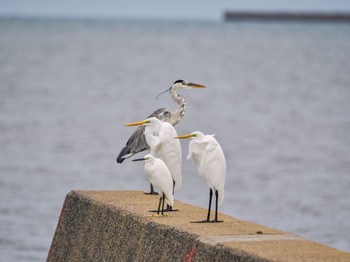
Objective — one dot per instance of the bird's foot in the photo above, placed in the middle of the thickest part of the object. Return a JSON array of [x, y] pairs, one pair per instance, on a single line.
[[151, 193], [170, 209], [202, 221], [208, 221], [155, 211], [216, 221]]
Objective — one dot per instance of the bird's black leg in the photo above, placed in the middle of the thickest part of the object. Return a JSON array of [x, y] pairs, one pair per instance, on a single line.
[[160, 201], [216, 206], [163, 204], [210, 197], [208, 216], [152, 192], [170, 208]]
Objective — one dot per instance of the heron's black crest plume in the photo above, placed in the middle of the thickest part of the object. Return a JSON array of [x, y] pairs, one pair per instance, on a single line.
[[179, 81], [163, 92]]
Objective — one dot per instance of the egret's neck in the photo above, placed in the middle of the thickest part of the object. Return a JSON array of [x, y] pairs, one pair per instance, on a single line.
[[178, 114], [152, 135], [154, 128]]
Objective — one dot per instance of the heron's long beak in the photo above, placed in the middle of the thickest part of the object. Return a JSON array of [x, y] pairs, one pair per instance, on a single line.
[[185, 136], [139, 159], [138, 123], [194, 85]]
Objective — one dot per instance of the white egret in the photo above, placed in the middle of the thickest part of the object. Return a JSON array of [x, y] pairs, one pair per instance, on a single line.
[[206, 153], [137, 143], [160, 138], [160, 177]]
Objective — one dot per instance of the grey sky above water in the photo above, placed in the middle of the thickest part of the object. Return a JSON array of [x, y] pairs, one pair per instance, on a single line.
[[160, 9]]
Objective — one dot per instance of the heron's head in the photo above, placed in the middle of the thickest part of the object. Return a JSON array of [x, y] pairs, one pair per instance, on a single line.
[[191, 135], [149, 121], [183, 84]]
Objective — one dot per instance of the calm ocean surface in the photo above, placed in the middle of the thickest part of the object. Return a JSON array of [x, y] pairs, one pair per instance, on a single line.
[[278, 100]]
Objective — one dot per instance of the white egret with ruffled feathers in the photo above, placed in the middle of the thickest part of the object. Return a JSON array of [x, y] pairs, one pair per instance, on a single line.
[[206, 153]]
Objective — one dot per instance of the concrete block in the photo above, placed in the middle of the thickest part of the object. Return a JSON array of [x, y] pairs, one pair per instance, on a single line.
[[117, 226]]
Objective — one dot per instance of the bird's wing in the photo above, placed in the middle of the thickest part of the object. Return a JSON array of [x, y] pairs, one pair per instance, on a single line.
[[197, 155], [166, 184], [214, 159], [157, 112], [170, 152], [160, 177], [137, 141], [214, 167], [162, 114]]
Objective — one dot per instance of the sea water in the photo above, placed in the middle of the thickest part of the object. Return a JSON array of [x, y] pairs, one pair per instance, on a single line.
[[277, 99]]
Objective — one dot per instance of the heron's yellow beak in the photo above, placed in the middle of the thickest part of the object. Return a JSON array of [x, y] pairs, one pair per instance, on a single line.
[[185, 136], [194, 85], [138, 123]]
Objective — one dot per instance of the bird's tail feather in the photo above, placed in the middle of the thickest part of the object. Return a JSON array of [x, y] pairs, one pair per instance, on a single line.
[[122, 155], [170, 200]]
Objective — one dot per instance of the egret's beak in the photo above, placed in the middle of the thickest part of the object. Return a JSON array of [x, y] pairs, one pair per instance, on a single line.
[[185, 136], [139, 159], [138, 123], [194, 85]]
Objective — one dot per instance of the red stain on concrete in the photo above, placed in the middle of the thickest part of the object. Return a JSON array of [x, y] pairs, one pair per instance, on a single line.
[[191, 255]]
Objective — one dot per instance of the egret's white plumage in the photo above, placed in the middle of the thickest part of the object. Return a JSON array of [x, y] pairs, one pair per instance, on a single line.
[[160, 138], [159, 176], [206, 153]]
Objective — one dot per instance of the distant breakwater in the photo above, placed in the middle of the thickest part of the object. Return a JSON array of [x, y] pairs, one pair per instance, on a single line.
[[287, 16]]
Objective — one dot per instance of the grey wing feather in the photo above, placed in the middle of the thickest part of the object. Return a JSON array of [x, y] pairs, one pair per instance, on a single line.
[[137, 141], [162, 114], [157, 112]]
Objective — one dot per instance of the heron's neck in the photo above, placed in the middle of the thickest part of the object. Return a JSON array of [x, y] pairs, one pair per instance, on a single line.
[[178, 114]]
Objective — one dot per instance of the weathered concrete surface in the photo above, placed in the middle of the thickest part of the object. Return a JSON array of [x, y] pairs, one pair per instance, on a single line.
[[117, 226]]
